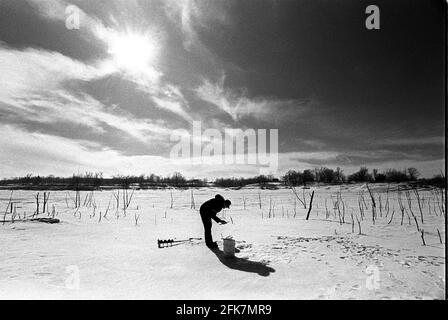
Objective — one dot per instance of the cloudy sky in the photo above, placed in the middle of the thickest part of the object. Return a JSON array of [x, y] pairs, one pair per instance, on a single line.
[[106, 97]]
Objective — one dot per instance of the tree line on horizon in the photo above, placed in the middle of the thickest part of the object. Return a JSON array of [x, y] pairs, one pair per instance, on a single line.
[[95, 180], [330, 176]]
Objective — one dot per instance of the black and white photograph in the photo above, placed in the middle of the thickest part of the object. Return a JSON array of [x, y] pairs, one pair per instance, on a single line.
[[217, 150]]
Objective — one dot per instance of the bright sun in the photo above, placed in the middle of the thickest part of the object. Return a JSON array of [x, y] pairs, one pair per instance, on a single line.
[[132, 52]]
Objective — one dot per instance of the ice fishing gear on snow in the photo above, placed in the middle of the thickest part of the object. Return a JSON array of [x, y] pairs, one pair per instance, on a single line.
[[169, 242]]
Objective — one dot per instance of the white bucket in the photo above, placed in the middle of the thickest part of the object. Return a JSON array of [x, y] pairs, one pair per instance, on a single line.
[[229, 247]]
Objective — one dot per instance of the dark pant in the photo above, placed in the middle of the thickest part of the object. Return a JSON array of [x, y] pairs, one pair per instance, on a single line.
[[207, 222]]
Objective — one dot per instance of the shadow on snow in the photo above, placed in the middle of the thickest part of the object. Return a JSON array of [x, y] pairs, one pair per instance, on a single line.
[[243, 264]]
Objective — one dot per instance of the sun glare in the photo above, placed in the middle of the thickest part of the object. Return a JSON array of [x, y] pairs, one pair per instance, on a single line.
[[132, 52]]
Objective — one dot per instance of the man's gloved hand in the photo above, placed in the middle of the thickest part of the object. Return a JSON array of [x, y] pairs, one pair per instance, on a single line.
[[222, 222]]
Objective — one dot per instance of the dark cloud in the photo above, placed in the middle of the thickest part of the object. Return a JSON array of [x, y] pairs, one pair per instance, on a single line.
[[21, 26]]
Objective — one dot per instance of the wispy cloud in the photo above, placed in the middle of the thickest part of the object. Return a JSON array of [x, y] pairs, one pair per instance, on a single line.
[[34, 88], [57, 10], [124, 47], [34, 70], [116, 42], [185, 11], [44, 154], [191, 14], [411, 141], [24, 152], [239, 106]]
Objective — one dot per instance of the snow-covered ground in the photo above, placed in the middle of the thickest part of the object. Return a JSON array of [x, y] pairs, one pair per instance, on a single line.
[[281, 256]]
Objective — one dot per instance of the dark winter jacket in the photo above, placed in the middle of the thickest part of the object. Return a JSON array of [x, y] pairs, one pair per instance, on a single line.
[[210, 208]]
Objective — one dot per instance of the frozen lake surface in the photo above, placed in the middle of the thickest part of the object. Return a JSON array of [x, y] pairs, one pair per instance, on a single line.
[[282, 255]]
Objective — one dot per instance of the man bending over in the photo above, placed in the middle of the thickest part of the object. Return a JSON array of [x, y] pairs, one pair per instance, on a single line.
[[208, 211]]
